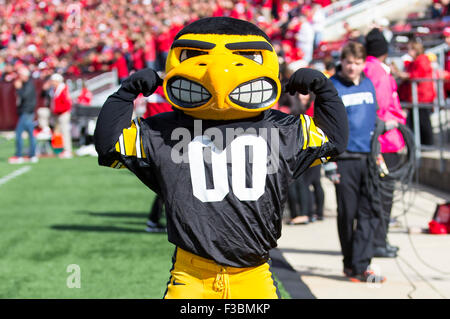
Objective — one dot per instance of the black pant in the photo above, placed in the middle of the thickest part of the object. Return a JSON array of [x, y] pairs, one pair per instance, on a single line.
[[298, 197], [353, 205], [426, 130], [156, 211], [312, 177], [387, 196]]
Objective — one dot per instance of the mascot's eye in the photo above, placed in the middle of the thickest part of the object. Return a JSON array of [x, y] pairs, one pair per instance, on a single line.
[[187, 54], [252, 55]]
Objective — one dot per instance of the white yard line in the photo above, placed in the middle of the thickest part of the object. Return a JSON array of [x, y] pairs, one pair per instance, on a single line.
[[14, 174]]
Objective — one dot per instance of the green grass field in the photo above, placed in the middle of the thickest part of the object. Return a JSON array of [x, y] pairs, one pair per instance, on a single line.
[[64, 212]]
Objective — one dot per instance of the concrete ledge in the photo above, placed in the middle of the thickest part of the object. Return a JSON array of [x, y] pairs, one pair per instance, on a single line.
[[432, 174]]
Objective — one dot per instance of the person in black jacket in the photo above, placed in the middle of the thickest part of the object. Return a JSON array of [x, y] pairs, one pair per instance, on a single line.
[[26, 94]]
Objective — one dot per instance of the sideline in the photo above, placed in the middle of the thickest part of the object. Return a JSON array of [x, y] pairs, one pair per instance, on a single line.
[[14, 174], [290, 279]]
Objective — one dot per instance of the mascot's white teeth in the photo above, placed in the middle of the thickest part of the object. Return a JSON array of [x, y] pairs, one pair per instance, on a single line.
[[255, 92], [189, 92]]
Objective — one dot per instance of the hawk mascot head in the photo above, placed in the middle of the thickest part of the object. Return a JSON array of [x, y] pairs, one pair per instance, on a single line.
[[222, 69]]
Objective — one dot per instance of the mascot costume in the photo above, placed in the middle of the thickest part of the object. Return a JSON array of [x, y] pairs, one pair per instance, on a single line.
[[223, 160]]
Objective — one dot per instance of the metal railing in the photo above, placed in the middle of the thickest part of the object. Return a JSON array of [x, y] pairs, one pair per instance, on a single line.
[[105, 80], [338, 6], [439, 104], [440, 51], [342, 10]]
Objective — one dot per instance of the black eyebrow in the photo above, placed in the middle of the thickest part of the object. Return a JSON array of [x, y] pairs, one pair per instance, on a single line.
[[252, 45], [193, 44]]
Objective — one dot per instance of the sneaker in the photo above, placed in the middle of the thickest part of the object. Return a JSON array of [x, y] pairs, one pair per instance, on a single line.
[[348, 272], [16, 160], [383, 252], [394, 222], [155, 227], [392, 248], [367, 276], [299, 220], [65, 154], [33, 159]]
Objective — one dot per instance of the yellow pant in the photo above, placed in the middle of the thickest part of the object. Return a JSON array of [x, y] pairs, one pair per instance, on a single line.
[[194, 277]]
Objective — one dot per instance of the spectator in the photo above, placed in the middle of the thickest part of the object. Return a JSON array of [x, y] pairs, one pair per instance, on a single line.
[[382, 24], [311, 176], [85, 97], [316, 198], [350, 176], [61, 106], [305, 39], [120, 65], [440, 8], [356, 36], [330, 67], [419, 68], [446, 75], [299, 199], [26, 93], [156, 103], [389, 111], [150, 52], [318, 22]]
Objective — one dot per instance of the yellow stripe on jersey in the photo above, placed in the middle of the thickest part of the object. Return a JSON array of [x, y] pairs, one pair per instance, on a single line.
[[313, 136], [130, 141], [116, 164]]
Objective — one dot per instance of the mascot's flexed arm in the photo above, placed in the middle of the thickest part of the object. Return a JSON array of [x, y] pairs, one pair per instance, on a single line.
[[330, 115], [329, 111], [113, 134], [224, 217]]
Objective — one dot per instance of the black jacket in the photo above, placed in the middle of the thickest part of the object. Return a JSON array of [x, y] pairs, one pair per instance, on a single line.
[[27, 98]]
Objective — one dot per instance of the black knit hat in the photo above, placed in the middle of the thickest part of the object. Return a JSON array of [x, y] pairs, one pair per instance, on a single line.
[[376, 44]]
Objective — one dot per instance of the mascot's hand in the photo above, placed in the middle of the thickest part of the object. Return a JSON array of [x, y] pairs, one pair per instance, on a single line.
[[143, 81], [305, 80]]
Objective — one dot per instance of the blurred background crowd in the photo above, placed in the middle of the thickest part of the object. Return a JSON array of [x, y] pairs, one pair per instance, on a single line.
[[76, 37]]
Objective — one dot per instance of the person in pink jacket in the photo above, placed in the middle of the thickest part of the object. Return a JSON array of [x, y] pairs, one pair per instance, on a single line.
[[389, 111]]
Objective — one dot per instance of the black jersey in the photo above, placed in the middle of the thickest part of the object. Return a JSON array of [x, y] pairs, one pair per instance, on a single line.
[[224, 183]]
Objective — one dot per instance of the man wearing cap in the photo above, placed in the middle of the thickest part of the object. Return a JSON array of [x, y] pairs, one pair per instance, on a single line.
[[61, 106], [389, 111]]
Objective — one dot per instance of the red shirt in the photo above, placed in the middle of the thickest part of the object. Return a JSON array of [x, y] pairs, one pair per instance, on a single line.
[[164, 42], [85, 97], [61, 100], [420, 68], [156, 103], [121, 66], [138, 59], [447, 68], [150, 51], [323, 3]]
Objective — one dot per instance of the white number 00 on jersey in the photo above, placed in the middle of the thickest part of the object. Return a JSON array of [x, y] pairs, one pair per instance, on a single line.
[[219, 168]]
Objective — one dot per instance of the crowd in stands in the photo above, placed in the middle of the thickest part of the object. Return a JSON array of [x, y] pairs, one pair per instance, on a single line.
[[77, 37]]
